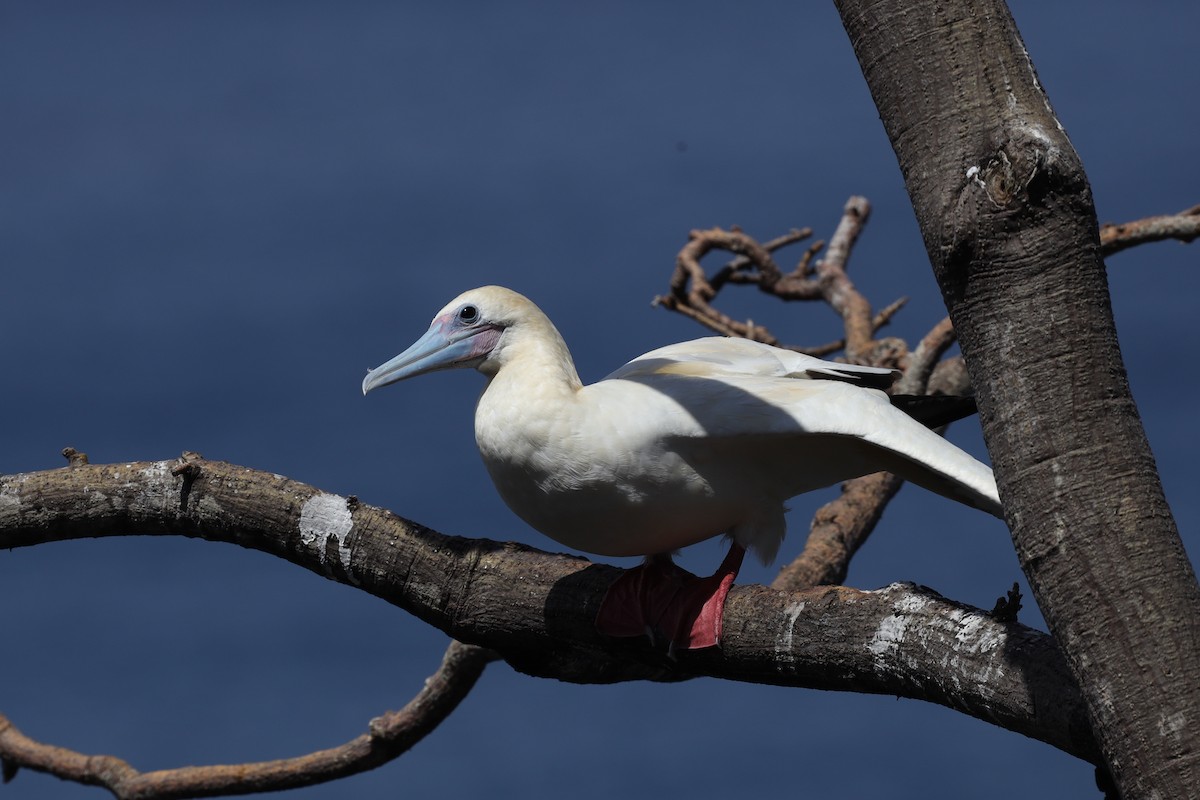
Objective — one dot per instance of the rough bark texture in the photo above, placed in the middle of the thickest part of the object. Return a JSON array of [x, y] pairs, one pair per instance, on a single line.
[[1008, 220], [537, 609]]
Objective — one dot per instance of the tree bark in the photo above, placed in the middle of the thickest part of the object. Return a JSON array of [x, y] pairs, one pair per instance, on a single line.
[[1007, 216]]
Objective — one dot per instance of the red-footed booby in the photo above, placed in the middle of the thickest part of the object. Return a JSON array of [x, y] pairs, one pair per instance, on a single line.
[[684, 443]]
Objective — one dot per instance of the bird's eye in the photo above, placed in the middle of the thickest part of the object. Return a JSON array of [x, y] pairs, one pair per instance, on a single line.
[[468, 314]]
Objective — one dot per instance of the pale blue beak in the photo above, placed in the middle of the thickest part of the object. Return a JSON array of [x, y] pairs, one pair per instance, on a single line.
[[444, 346]]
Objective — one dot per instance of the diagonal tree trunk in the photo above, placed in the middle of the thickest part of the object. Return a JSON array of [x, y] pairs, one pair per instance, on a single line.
[[1008, 220]]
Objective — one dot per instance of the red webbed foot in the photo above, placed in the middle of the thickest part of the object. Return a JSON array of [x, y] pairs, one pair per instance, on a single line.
[[664, 600]]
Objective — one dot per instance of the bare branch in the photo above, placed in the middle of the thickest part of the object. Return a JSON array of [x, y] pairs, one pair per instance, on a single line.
[[806, 268], [881, 319], [388, 737], [923, 360], [716, 321], [691, 290], [735, 270], [538, 610], [837, 289], [950, 377], [1184, 226]]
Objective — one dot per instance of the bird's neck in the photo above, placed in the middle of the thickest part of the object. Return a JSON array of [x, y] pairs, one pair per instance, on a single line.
[[535, 360], [532, 394]]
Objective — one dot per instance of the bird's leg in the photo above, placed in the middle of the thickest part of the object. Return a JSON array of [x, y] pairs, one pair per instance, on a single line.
[[664, 599]]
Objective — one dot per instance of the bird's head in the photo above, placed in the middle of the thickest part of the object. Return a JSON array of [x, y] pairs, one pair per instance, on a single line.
[[470, 331]]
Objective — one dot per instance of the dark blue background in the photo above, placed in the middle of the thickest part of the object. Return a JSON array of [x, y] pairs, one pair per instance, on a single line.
[[214, 217]]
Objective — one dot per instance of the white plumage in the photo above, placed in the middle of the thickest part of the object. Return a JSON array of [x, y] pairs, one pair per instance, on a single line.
[[686, 442]]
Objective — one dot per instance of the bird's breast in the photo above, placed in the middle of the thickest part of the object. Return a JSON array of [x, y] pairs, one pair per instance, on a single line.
[[606, 483]]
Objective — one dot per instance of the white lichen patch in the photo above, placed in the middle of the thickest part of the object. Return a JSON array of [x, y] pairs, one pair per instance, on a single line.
[[972, 643], [968, 644], [893, 628], [158, 471], [888, 636], [1171, 725], [154, 481], [325, 517], [977, 633], [9, 497], [910, 603], [975, 656], [790, 615]]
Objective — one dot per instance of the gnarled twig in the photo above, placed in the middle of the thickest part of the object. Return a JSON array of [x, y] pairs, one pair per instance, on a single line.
[[389, 736]]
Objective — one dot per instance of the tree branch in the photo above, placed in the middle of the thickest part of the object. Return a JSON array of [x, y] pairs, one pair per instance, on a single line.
[[837, 288], [388, 737], [537, 610], [691, 290], [1009, 224], [1184, 226], [741, 269]]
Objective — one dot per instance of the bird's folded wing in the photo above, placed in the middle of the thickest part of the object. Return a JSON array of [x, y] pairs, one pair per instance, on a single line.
[[724, 408], [716, 355], [900, 443]]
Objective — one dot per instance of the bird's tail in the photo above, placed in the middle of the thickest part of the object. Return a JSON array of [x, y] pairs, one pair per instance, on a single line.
[[948, 471]]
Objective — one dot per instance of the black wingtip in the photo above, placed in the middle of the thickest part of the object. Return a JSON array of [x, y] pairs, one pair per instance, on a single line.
[[935, 410]]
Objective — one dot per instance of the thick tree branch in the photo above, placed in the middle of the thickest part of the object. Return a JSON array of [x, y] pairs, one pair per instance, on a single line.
[[1009, 224], [537, 610], [388, 737]]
